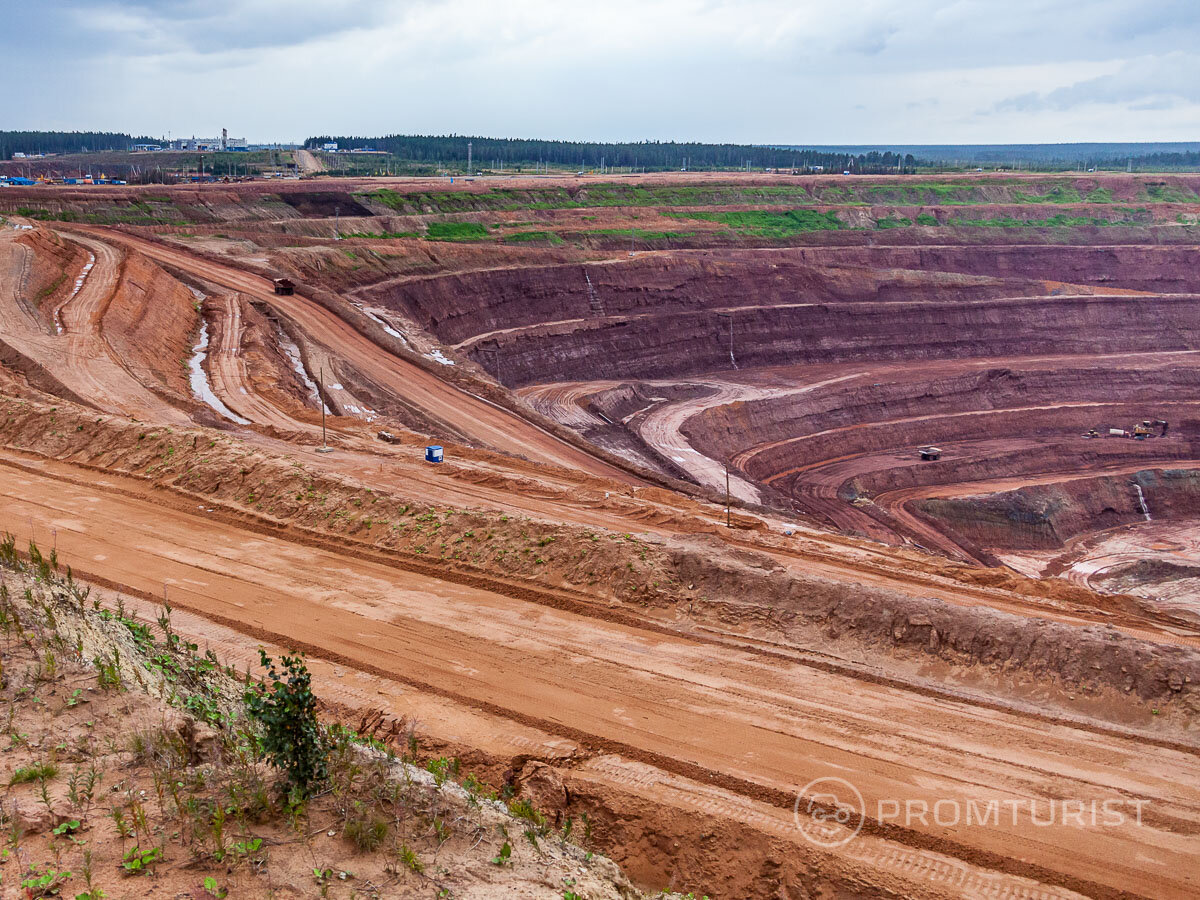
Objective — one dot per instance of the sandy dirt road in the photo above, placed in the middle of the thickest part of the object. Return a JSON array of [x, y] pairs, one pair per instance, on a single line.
[[755, 727], [309, 164], [661, 424], [231, 381], [474, 416], [75, 351]]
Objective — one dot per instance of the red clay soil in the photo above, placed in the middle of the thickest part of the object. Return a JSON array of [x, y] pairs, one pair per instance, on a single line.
[[537, 602], [770, 735], [476, 417]]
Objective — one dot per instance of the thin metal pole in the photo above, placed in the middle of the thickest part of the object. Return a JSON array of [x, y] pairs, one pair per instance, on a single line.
[[321, 400], [727, 517]]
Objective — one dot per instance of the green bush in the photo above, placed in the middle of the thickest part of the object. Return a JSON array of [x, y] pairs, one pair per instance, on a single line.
[[287, 711]]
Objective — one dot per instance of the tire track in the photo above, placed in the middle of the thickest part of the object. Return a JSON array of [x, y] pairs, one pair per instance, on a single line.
[[566, 600]]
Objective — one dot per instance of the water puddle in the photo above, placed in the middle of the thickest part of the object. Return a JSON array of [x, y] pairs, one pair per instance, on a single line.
[[199, 379], [292, 352], [87, 269], [386, 326]]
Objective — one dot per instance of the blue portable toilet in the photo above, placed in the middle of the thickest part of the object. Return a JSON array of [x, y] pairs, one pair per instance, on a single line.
[[433, 454]]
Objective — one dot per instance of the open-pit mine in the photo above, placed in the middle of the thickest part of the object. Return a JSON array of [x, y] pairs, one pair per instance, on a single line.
[[750, 483]]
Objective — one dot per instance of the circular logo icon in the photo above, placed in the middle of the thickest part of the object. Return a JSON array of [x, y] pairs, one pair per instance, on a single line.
[[829, 811]]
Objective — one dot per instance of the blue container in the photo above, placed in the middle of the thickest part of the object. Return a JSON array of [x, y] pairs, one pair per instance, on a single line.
[[433, 454]]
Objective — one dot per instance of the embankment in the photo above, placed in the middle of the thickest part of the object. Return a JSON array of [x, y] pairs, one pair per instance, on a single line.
[[573, 568], [1047, 516]]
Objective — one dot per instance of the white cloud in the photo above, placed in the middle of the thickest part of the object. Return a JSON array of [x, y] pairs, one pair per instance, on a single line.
[[755, 70], [1148, 82]]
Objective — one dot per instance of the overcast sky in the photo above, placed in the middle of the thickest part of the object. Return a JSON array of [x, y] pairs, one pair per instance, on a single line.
[[753, 71]]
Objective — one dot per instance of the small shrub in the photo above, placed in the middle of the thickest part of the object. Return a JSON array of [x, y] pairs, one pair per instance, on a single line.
[[410, 860], [44, 882], [523, 809], [366, 833], [287, 711], [36, 772], [138, 861]]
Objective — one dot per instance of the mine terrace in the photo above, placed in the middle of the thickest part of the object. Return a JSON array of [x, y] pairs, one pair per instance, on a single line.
[[746, 478]]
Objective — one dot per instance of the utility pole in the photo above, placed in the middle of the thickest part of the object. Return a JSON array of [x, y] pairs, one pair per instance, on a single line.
[[470, 170], [324, 448], [727, 516]]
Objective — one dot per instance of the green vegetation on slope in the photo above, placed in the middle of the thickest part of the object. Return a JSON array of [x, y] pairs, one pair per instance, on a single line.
[[456, 231], [1130, 217], [761, 223], [827, 192], [1161, 192], [525, 237]]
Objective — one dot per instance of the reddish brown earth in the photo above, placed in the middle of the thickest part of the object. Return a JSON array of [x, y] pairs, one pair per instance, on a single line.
[[565, 590]]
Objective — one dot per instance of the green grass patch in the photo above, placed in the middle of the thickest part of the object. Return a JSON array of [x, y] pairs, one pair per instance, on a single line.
[[921, 193], [388, 198], [966, 192], [892, 222], [1161, 192], [1059, 193], [37, 772], [456, 231], [926, 219], [640, 235], [528, 237], [766, 223]]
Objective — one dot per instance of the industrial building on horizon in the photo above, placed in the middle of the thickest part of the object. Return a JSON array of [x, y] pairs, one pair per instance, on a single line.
[[223, 143]]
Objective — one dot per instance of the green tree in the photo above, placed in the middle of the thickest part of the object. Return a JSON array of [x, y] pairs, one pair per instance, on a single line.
[[287, 710]]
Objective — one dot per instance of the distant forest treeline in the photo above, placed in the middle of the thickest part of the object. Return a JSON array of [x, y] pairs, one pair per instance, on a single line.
[[65, 142], [1158, 162], [451, 150]]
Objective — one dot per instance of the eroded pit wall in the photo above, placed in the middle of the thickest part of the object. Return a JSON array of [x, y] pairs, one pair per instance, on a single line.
[[802, 429], [986, 390], [658, 317], [150, 322], [458, 308], [689, 343], [1046, 516], [1119, 258]]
